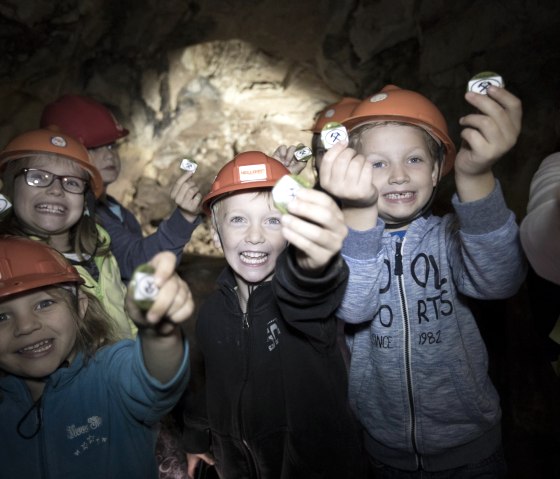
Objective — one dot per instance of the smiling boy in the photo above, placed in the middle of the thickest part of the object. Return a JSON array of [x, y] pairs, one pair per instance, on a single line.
[[419, 368], [276, 396]]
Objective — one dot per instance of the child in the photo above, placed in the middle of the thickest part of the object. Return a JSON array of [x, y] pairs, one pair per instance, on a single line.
[[540, 230], [52, 185], [93, 124], [419, 369], [73, 404], [275, 378]]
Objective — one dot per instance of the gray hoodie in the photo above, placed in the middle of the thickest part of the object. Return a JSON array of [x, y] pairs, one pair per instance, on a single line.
[[419, 379]]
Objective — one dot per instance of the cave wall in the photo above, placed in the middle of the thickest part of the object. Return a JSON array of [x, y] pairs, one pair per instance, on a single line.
[[211, 78]]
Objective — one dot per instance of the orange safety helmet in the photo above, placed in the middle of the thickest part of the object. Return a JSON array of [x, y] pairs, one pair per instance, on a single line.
[[85, 119], [405, 106], [250, 170], [26, 264], [338, 112], [49, 141]]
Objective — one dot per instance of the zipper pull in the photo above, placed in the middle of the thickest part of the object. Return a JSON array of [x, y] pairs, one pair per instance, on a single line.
[[245, 321], [398, 260]]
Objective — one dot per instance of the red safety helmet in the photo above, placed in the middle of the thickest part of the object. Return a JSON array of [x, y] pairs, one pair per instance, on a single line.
[[83, 118], [49, 141], [338, 112], [247, 171], [26, 264], [405, 106]]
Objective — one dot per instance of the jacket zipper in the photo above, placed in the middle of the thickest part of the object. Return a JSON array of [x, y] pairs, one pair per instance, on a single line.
[[44, 473], [407, 346], [254, 471]]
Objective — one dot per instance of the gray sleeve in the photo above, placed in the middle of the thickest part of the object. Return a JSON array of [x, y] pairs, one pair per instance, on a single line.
[[361, 252], [485, 252]]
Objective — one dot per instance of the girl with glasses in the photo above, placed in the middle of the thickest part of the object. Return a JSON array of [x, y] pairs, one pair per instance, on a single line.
[[52, 184]]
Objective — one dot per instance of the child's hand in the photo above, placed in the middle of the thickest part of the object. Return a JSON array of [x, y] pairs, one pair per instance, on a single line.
[[187, 196], [194, 459], [489, 133], [315, 226], [285, 155], [173, 303], [348, 176]]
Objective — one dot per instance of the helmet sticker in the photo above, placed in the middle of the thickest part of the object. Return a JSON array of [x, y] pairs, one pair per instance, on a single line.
[[58, 141], [330, 113], [252, 172], [378, 97]]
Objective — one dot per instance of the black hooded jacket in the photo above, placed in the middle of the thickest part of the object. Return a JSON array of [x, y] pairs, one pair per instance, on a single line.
[[276, 385]]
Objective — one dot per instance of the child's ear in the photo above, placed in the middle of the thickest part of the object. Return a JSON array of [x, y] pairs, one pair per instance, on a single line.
[[435, 172], [82, 303], [216, 237]]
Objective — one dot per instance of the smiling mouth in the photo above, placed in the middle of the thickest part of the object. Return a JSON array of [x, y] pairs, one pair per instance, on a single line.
[[51, 209], [253, 258], [39, 347], [405, 195]]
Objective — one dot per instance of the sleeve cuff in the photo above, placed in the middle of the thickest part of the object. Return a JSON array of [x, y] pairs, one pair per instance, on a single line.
[[480, 216], [363, 244]]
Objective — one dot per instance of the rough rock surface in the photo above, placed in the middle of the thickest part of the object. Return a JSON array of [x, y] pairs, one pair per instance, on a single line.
[[212, 78]]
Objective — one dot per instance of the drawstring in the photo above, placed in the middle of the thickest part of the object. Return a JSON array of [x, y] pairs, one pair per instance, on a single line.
[[38, 413], [38, 420]]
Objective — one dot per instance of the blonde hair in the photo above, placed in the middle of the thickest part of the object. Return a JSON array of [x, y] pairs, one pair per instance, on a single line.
[[355, 140], [84, 236]]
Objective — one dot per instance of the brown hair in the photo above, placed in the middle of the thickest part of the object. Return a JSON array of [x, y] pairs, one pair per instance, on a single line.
[[95, 329]]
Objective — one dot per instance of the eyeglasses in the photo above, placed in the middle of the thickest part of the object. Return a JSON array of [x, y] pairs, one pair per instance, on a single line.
[[42, 179]]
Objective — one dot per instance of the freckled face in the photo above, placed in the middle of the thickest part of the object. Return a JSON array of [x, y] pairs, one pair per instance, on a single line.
[[250, 234], [405, 170], [50, 210], [37, 333]]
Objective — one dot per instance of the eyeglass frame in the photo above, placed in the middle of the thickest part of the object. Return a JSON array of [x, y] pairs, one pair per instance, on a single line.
[[54, 177]]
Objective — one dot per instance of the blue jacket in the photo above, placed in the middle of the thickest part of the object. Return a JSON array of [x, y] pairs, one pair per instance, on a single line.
[[128, 244], [419, 379], [97, 419]]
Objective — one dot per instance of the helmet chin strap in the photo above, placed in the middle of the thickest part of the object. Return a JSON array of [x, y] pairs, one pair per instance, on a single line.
[[427, 207]]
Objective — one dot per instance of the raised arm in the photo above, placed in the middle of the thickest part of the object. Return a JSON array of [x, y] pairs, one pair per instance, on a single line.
[[348, 176], [315, 226], [159, 328], [487, 135], [131, 248]]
